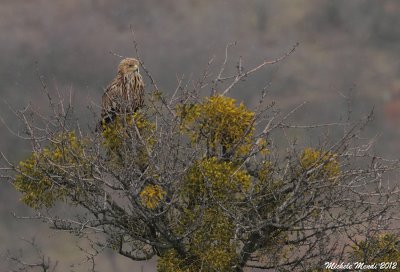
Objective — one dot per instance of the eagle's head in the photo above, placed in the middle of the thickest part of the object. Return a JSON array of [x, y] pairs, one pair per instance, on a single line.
[[128, 66]]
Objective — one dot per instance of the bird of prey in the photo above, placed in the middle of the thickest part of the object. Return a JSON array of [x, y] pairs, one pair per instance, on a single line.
[[125, 94]]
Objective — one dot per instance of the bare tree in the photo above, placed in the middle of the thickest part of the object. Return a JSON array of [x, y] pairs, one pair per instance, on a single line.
[[205, 183], [42, 262]]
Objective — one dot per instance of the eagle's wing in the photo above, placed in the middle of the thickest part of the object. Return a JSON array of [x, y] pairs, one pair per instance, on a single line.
[[137, 93], [123, 95], [109, 102]]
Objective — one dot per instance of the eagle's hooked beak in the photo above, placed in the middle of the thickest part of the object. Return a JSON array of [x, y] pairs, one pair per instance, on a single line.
[[136, 68]]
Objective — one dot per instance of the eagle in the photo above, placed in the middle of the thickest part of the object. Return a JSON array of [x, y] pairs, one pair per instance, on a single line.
[[125, 94]]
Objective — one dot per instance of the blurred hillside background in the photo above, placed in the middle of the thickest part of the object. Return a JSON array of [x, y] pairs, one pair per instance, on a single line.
[[347, 49]]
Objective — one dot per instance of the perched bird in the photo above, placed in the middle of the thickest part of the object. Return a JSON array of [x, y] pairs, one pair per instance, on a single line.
[[125, 94]]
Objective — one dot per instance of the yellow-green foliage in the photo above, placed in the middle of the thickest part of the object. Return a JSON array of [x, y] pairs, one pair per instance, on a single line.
[[263, 147], [265, 171], [221, 178], [380, 248], [211, 247], [114, 133], [117, 132], [325, 163], [117, 139], [151, 196], [172, 262], [43, 177], [219, 121]]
